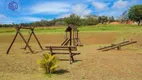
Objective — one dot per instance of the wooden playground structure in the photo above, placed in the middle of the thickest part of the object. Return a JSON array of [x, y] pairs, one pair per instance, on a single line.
[[70, 49], [72, 37], [117, 46], [69, 45], [18, 31]]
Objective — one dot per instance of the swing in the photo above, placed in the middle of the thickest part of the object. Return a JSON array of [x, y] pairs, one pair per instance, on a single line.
[[26, 42]]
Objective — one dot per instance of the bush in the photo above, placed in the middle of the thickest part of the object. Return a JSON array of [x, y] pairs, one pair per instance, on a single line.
[[48, 63]]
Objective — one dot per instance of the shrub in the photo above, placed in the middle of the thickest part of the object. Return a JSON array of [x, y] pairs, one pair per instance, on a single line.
[[48, 63]]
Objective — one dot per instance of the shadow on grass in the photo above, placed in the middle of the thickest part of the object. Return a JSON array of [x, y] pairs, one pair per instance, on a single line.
[[57, 72], [34, 52], [60, 72]]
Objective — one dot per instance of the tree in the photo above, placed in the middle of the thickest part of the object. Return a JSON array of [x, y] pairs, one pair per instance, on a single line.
[[91, 20], [99, 19], [124, 17], [73, 19], [104, 19], [111, 19], [43, 22], [135, 13]]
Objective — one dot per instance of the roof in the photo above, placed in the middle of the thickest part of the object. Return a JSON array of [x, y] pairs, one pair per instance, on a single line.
[[71, 27], [114, 23]]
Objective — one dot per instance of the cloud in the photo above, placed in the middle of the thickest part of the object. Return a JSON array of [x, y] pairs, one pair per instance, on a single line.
[[64, 15], [110, 8], [26, 19], [9, 20], [4, 19], [81, 9], [120, 4], [2, 16], [78, 9], [111, 13], [99, 5], [63, 8], [50, 7], [31, 19]]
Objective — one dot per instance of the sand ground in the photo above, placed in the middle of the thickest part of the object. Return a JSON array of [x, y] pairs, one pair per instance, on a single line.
[[92, 64]]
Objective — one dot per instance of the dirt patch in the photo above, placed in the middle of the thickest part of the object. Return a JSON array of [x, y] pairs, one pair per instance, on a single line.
[[98, 38], [138, 38], [92, 64], [86, 38]]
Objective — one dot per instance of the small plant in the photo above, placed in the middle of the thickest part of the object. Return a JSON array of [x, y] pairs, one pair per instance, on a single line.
[[48, 63]]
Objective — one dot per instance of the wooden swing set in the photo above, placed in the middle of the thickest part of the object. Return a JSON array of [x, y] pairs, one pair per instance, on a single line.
[[18, 31]]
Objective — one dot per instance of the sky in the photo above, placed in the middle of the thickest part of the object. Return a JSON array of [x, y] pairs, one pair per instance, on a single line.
[[25, 11]]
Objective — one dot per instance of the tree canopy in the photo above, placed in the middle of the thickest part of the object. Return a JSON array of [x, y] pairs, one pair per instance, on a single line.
[[135, 13]]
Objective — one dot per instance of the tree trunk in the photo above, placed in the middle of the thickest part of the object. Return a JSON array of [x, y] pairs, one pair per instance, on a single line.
[[139, 22]]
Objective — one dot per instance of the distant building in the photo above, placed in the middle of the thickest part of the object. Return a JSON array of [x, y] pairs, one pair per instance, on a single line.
[[124, 22], [130, 22], [114, 23]]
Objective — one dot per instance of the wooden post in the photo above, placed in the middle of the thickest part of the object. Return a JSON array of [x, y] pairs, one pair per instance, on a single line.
[[71, 56], [13, 41], [25, 42], [37, 40], [119, 47], [73, 39], [77, 36], [32, 32], [70, 37], [66, 35], [28, 40]]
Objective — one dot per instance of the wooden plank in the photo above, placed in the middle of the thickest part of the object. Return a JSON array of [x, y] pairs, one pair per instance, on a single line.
[[67, 42], [66, 48], [121, 45], [61, 49], [27, 27], [106, 47], [132, 42], [60, 46], [112, 45], [64, 41], [73, 53], [60, 52]]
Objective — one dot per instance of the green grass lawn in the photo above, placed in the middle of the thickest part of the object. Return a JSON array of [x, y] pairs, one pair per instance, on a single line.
[[100, 27]]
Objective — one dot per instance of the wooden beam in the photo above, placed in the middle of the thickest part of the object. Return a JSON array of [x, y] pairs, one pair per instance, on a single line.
[[28, 40], [119, 46], [112, 45], [37, 40], [12, 42]]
